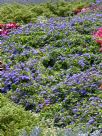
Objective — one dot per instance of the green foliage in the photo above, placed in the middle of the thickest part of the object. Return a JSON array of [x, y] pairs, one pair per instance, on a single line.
[[80, 130], [14, 119], [29, 12]]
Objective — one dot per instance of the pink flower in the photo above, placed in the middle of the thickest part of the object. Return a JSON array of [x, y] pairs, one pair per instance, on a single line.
[[11, 25], [98, 37], [6, 28], [4, 32], [85, 10]]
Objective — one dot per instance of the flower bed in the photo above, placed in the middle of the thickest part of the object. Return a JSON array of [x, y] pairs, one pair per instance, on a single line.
[[54, 69]]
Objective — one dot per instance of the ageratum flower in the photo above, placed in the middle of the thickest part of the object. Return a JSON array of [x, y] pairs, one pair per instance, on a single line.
[[91, 121], [47, 102], [98, 1], [81, 63], [83, 92], [74, 110], [25, 78]]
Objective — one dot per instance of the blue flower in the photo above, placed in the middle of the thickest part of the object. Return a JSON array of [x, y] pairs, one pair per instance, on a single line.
[[47, 102], [81, 63], [24, 78], [83, 92], [98, 1], [91, 121], [74, 110]]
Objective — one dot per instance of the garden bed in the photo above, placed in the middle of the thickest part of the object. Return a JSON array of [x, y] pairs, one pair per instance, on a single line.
[[53, 68]]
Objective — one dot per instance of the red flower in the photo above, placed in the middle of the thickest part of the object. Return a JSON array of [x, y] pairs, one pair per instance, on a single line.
[[6, 28], [98, 37], [11, 25], [3, 32]]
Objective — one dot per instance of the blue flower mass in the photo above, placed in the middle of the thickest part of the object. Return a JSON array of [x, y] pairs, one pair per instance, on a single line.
[[53, 67]]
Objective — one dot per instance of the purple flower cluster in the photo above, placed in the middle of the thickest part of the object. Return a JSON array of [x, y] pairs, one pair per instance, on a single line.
[[98, 1], [55, 68]]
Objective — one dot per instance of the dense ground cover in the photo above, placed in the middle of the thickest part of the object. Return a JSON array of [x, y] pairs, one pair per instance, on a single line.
[[13, 118], [53, 68], [26, 13]]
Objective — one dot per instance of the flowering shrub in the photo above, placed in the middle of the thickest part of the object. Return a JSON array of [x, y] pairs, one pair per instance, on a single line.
[[6, 28], [98, 36]]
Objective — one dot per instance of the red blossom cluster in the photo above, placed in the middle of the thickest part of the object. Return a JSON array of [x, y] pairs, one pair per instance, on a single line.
[[98, 37], [6, 28]]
